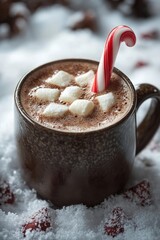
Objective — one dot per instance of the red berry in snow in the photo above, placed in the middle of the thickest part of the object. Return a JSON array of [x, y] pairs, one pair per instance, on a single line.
[[140, 64], [39, 221], [115, 223], [140, 193], [151, 35]]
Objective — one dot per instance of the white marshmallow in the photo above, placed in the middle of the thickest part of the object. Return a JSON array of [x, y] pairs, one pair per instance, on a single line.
[[83, 79], [106, 101], [55, 110], [70, 94], [81, 107], [60, 79], [46, 94]]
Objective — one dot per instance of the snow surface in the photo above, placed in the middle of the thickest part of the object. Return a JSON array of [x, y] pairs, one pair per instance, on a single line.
[[47, 38]]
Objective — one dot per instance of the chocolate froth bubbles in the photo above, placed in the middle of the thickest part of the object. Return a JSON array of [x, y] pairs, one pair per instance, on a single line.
[[117, 35], [61, 98]]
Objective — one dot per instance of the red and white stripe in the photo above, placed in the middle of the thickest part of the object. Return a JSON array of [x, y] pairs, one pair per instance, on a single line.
[[117, 35]]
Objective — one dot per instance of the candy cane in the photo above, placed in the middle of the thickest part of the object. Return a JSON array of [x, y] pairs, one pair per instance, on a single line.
[[117, 35]]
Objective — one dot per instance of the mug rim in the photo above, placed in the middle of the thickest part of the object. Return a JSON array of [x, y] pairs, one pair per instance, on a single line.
[[27, 117]]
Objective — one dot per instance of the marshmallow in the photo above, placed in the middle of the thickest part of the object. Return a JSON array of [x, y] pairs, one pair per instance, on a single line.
[[70, 94], [46, 94], [83, 79], [81, 107], [60, 79], [106, 101], [55, 110]]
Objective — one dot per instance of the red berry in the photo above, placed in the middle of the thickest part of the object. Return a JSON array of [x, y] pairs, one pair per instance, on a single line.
[[151, 35], [115, 222], [6, 195], [140, 64], [39, 221], [139, 193]]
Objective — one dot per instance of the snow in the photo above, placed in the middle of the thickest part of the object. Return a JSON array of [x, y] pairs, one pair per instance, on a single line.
[[46, 39]]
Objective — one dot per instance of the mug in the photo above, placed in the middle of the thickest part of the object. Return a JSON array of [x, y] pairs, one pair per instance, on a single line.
[[83, 167]]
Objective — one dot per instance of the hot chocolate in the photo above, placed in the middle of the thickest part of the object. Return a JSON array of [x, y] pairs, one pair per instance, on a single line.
[[40, 96], [76, 146]]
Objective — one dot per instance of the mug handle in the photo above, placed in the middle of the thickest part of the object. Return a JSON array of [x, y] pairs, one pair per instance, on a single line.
[[151, 121]]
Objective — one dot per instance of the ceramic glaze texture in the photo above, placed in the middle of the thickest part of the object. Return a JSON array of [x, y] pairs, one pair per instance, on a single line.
[[76, 168]]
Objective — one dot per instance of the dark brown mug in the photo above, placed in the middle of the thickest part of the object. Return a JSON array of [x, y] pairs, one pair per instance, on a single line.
[[83, 167]]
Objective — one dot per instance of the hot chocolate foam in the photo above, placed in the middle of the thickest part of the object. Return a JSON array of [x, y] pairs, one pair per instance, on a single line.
[[69, 120]]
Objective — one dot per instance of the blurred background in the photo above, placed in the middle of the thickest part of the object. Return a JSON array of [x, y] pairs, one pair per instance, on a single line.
[[33, 32]]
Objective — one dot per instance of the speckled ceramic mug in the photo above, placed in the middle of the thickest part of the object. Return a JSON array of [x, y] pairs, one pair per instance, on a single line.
[[83, 167]]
